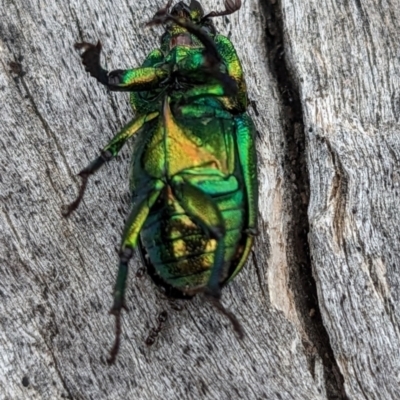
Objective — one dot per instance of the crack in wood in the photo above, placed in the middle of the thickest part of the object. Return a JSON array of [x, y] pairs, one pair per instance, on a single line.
[[315, 337], [17, 69], [259, 277], [339, 193]]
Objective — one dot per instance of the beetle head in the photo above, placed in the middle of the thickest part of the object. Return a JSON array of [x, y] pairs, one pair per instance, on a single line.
[[182, 16], [194, 12], [187, 25]]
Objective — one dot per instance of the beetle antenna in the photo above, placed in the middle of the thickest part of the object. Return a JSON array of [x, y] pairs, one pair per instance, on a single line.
[[229, 314], [231, 6]]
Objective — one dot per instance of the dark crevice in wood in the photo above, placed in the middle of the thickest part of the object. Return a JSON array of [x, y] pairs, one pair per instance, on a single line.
[[261, 281], [339, 193], [302, 283]]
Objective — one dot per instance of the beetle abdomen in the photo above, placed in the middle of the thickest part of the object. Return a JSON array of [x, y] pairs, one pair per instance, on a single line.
[[181, 251]]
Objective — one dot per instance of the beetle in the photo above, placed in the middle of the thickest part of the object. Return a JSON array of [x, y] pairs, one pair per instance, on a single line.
[[193, 179]]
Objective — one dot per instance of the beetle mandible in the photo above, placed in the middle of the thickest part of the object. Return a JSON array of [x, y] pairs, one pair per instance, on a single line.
[[193, 179]]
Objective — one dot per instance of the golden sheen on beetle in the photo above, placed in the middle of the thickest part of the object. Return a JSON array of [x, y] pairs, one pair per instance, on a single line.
[[193, 179]]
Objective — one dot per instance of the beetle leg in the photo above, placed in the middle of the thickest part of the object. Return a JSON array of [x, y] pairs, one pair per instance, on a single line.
[[138, 79], [235, 323], [234, 70], [203, 209], [109, 152], [137, 218], [153, 74], [135, 79], [226, 86], [91, 60], [248, 161], [231, 6], [105, 156], [227, 76]]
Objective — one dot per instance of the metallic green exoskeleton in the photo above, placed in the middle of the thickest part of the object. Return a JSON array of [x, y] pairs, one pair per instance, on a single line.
[[194, 182]]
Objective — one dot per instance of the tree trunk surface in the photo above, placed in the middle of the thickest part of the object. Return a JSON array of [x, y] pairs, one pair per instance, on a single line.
[[318, 298]]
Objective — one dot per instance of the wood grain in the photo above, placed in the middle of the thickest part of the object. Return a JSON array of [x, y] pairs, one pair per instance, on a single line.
[[319, 296]]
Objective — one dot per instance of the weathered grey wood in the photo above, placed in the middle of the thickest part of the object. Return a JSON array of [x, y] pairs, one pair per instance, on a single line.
[[345, 58], [56, 275]]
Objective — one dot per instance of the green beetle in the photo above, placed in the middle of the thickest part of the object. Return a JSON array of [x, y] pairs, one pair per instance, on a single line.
[[194, 181]]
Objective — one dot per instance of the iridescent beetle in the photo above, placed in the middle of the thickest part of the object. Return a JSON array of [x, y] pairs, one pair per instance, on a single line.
[[194, 182]]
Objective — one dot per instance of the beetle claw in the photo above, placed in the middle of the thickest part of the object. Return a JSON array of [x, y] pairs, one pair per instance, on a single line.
[[213, 292], [115, 349], [252, 231], [67, 209], [117, 307], [234, 321], [91, 60]]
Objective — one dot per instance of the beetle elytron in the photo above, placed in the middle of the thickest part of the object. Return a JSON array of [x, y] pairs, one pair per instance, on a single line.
[[194, 183]]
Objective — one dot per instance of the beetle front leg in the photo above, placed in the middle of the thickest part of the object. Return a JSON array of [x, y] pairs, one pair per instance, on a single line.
[[108, 153], [91, 60], [136, 79]]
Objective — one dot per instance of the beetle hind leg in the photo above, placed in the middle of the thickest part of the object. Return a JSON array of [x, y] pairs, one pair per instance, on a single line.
[[237, 326], [119, 300], [202, 208], [140, 211]]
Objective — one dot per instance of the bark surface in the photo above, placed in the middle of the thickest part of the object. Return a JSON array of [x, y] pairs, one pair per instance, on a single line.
[[319, 296]]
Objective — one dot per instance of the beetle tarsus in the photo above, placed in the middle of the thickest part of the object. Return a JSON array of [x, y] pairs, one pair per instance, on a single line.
[[252, 232], [104, 157], [234, 321], [68, 209], [231, 6], [91, 60], [176, 305], [115, 349]]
